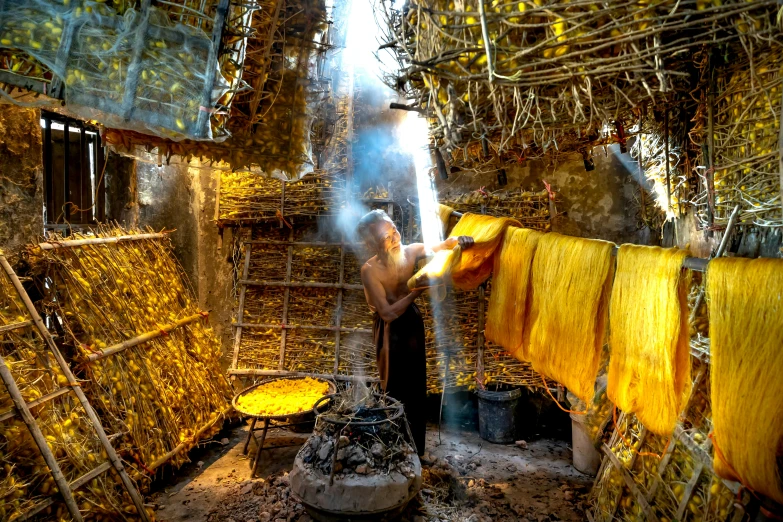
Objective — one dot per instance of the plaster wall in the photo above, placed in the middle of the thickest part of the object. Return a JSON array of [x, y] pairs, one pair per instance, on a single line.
[[21, 179]]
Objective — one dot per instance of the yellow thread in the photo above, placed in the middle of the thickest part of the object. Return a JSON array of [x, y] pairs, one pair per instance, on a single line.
[[508, 302], [649, 368], [745, 302], [468, 269], [570, 293]]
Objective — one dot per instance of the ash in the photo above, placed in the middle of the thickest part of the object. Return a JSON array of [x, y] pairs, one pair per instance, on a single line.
[[375, 449]]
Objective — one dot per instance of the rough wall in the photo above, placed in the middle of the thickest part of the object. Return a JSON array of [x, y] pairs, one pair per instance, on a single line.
[[21, 179], [597, 204]]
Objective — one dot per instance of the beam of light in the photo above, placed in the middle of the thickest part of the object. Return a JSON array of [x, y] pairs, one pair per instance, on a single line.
[[413, 138]]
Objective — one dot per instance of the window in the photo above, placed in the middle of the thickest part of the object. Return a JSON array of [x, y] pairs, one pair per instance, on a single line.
[[73, 172]]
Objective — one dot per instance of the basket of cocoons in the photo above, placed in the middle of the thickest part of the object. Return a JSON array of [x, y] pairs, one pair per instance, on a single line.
[[650, 368], [508, 301], [467, 269], [282, 398], [571, 282], [745, 300]]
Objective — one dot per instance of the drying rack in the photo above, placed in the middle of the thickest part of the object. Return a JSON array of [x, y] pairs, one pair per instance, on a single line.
[[23, 410]]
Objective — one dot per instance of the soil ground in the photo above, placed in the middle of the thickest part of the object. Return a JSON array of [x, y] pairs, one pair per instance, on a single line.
[[465, 479]]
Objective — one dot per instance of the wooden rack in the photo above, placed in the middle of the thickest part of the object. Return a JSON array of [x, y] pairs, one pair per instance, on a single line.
[[23, 409], [240, 325]]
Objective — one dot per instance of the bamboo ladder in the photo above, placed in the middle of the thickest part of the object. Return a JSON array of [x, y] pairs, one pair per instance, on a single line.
[[23, 410]]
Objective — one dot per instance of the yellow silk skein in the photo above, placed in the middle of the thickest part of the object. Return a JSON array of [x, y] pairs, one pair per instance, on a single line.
[[470, 267], [745, 303], [649, 365], [571, 282], [508, 302]]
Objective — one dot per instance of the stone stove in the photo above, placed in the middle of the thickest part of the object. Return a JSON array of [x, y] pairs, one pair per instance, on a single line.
[[358, 464]]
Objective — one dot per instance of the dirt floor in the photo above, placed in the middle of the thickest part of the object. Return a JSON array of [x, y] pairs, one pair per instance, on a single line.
[[465, 479]]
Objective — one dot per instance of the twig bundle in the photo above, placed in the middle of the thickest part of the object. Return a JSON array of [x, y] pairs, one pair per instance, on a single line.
[[157, 397], [538, 75], [747, 153]]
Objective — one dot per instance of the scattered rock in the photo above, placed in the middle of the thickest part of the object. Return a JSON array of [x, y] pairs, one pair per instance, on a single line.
[[343, 442], [224, 441], [521, 444], [325, 450], [377, 450], [362, 469], [247, 488]]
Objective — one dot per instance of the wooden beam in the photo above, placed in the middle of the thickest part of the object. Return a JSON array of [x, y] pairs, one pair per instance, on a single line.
[[147, 336]]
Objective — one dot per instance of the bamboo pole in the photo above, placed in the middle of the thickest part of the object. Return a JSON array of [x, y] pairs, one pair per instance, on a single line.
[[339, 319], [147, 336], [51, 245], [96, 423], [165, 458], [294, 284], [241, 308], [304, 327], [38, 437], [286, 373], [286, 298], [666, 152], [14, 326], [37, 402], [76, 484]]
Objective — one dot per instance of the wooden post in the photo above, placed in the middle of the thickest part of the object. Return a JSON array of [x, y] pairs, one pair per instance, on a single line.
[[710, 174], [286, 297], [780, 156], [666, 152], [96, 423], [241, 308], [40, 440], [339, 318]]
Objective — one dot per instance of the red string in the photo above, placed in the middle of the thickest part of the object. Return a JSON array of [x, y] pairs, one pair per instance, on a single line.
[[546, 387]]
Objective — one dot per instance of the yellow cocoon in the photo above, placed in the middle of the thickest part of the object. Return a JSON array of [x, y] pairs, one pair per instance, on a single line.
[[649, 366], [468, 269], [745, 303], [570, 295], [508, 302]]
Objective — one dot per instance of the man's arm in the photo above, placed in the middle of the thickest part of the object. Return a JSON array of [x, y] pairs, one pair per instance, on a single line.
[[422, 251], [377, 297]]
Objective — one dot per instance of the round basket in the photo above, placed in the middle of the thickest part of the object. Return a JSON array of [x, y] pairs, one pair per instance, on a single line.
[[293, 417]]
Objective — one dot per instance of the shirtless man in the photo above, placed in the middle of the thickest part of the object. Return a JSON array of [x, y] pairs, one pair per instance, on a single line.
[[398, 327]]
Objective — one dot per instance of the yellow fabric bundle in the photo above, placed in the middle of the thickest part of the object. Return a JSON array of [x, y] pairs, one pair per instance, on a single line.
[[508, 302], [745, 300], [444, 214], [649, 368], [472, 267], [570, 283]]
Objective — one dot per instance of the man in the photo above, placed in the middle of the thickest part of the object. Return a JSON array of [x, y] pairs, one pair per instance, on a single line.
[[398, 327]]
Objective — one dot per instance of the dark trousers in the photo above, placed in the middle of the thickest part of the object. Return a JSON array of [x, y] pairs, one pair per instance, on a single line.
[[406, 372]]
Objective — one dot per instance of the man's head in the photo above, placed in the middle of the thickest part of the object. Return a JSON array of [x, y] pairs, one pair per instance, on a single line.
[[378, 232]]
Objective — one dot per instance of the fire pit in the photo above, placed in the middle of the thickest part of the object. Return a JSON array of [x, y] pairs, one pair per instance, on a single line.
[[358, 464]]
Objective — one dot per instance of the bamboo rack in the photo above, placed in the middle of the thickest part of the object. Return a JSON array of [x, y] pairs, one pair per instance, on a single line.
[[103, 293], [70, 385]]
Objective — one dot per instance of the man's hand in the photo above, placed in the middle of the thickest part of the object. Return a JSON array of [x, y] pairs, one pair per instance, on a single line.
[[465, 242]]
